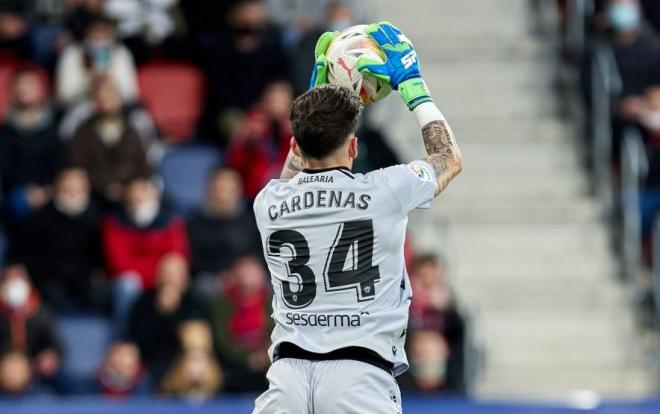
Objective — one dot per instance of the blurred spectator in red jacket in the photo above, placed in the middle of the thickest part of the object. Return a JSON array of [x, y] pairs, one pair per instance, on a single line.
[[61, 246], [98, 54], [25, 324], [158, 314], [136, 239], [259, 147], [29, 146], [107, 146], [121, 374], [223, 228], [242, 325]]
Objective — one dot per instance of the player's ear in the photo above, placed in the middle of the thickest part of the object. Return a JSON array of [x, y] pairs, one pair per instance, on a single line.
[[353, 148], [294, 147]]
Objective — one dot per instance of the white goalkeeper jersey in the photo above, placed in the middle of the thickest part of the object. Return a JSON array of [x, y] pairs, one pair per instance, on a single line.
[[333, 241]]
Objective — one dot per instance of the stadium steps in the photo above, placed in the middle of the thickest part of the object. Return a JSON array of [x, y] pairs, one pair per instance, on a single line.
[[529, 251]]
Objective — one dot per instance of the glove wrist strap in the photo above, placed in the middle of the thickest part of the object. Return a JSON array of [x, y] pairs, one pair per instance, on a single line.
[[414, 92]]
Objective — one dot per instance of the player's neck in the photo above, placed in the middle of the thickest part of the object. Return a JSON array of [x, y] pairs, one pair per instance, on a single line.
[[327, 163]]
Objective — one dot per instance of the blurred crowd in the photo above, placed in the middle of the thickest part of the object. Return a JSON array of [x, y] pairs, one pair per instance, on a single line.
[[134, 135], [614, 47]]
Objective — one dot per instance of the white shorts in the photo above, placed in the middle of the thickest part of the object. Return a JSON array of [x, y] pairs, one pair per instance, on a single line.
[[300, 386]]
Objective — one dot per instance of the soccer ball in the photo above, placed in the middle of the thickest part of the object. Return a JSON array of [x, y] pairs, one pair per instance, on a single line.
[[343, 53]]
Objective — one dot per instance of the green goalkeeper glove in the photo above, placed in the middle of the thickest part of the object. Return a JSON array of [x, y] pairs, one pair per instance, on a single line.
[[401, 67], [320, 72]]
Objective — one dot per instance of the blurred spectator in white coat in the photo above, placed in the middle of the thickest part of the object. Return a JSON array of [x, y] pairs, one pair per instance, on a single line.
[[98, 54]]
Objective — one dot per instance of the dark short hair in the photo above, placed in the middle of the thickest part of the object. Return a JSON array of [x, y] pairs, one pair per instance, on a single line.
[[432, 259], [323, 118]]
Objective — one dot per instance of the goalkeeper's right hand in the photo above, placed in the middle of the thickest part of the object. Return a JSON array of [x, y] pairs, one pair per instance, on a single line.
[[401, 67], [320, 72]]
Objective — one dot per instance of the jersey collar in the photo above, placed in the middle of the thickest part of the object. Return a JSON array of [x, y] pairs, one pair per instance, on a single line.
[[344, 170]]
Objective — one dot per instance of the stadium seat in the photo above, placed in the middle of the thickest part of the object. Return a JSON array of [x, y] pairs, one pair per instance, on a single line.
[[174, 94], [184, 170], [85, 339]]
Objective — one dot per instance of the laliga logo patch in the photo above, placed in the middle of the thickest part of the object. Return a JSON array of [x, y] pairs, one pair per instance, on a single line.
[[421, 172]]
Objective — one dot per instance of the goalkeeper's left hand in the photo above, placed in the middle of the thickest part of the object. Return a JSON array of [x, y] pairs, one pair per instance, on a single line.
[[401, 67], [320, 72]]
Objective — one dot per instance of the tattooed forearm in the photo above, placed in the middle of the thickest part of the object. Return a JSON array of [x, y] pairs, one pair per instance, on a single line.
[[443, 152], [292, 166]]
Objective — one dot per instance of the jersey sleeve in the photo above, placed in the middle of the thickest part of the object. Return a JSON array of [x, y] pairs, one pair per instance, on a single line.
[[413, 184]]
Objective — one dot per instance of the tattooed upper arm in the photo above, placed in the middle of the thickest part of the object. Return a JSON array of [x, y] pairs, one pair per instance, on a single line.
[[443, 152], [292, 166]]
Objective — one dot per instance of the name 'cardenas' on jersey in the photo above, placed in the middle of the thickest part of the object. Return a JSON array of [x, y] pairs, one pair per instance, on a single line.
[[319, 199]]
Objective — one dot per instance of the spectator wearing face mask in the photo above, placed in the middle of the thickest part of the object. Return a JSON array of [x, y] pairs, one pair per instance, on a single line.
[[61, 246], [136, 239], [252, 45], [157, 316], [121, 374], [434, 308], [195, 375], [26, 326], [637, 53], [242, 325], [428, 353], [261, 143], [107, 146], [223, 228], [99, 54], [29, 146]]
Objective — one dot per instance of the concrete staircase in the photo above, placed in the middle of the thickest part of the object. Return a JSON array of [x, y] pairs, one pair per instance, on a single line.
[[529, 251]]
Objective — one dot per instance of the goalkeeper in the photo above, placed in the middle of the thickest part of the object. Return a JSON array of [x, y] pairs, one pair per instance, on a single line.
[[333, 241]]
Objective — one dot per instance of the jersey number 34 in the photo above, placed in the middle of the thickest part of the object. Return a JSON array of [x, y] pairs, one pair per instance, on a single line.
[[356, 237]]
